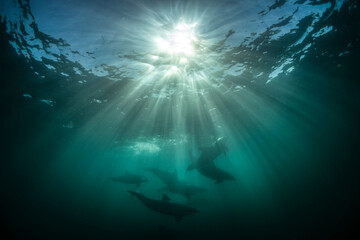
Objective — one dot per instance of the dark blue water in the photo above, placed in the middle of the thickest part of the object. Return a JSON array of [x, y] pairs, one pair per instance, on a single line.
[[98, 89]]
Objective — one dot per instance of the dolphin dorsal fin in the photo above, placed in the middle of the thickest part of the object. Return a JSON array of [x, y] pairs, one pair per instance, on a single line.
[[165, 198]]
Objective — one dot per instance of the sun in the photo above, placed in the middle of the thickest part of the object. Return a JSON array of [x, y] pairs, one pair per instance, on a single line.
[[177, 53], [179, 42]]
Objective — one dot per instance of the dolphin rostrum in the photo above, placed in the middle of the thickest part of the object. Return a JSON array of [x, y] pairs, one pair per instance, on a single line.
[[165, 206]]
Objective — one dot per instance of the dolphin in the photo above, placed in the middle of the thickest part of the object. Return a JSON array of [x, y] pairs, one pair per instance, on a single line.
[[129, 178], [211, 171], [209, 154], [174, 185], [165, 206]]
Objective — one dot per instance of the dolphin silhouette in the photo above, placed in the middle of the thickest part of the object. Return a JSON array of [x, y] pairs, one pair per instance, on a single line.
[[209, 154], [211, 171], [165, 206]]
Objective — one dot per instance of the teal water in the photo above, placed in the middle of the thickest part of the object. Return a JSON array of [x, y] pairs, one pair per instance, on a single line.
[[71, 119]]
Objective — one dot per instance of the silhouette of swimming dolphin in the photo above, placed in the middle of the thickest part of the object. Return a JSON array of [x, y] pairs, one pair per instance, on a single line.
[[209, 154], [211, 171], [205, 163], [165, 206]]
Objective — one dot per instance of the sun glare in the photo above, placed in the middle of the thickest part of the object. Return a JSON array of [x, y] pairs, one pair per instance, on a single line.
[[178, 42], [177, 54]]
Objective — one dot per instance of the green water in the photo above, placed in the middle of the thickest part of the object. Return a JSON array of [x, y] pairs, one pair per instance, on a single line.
[[293, 148]]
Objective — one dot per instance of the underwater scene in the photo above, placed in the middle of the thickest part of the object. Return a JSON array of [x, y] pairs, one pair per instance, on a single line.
[[169, 119]]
